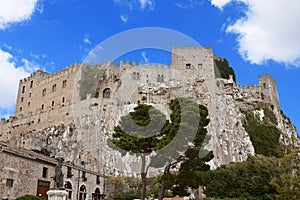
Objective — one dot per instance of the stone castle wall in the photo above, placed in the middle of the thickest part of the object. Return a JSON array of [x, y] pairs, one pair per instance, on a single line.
[[118, 89]]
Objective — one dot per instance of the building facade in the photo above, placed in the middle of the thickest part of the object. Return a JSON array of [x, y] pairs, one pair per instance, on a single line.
[[26, 172]]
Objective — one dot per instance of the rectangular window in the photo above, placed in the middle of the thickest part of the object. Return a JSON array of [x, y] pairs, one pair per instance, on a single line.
[[31, 84], [98, 179], [9, 182], [69, 194], [69, 172], [45, 172], [44, 92]]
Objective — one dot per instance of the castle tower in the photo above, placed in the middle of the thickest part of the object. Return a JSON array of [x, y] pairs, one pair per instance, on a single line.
[[268, 89], [41, 91], [26, 93]]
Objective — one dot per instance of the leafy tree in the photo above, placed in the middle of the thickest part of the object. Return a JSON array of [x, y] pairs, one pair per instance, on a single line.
[[139, 132], [288, 183], [245, 180], [187, 133], [125, 188]]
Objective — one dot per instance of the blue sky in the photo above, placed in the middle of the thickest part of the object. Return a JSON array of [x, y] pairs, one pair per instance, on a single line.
[[255, 36]]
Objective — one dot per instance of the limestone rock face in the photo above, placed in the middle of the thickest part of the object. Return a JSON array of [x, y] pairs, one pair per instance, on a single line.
[[230, 141]]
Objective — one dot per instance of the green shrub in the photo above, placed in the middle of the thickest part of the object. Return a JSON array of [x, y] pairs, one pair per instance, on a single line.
[[223, 70], [29, 197], [245, 180]]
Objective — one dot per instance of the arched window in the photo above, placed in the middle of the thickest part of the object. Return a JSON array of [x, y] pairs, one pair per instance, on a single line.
[[64, 84], [96, 195], [68, 187], [97, 190], [82, 193], [106, 93], [54, 88]]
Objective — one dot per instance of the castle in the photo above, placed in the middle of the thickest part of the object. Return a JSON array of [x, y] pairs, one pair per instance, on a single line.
[[73, 111], [47, 99]]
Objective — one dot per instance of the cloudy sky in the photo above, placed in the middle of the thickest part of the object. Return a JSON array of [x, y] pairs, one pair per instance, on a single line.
[[255, 36]]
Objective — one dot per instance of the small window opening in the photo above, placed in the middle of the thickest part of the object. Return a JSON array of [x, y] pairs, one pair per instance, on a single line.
[[188, 65], [64, 84], [21, 108], [106, 93], [31, 84], [22, 99], [45, 172], [9, 182], [44, 92], [23, 90], [54, 88], [63, 100]]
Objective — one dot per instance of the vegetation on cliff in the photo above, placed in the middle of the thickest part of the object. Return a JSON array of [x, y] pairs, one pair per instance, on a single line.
[[222, 69], [264, 136]]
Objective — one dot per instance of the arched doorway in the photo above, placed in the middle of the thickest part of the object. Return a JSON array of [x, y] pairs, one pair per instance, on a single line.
[[106, 93], [82, 193], [68, 187], [97, 195]]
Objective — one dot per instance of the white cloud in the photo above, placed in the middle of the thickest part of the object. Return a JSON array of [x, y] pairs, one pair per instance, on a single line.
[[146, 3], [145, 57], [269, 31], [86, 40], [13, 11], [220, 3], [124, 18], [10, 74], [136, 4]]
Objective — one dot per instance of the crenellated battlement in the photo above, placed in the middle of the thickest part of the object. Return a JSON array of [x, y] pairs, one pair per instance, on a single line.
[[191, 48], [134, 64]]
